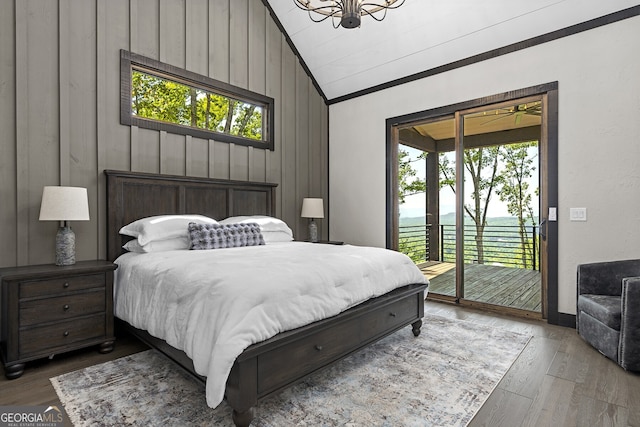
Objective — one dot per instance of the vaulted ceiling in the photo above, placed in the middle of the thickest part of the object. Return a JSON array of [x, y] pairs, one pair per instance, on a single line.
[[422, 35]]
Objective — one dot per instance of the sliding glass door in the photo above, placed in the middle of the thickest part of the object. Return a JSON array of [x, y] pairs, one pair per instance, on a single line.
[[470, 195]]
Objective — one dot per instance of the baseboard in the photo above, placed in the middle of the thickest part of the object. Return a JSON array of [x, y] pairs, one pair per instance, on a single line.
[[567, 320]]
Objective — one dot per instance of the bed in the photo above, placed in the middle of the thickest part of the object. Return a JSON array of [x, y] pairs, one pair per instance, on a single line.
[[267, 366]]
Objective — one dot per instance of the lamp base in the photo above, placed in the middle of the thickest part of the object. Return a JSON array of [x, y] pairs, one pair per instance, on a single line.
[[65, 246], [313, 231]]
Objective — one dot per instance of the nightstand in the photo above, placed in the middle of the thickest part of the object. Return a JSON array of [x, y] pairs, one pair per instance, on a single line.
[[49, 309]]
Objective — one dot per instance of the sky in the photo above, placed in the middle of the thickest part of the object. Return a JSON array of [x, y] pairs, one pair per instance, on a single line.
[[414, 206]]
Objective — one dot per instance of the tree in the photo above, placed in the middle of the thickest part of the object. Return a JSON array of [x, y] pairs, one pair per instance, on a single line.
[[518, 166], [482, 167], [408, 184], [169, 101]]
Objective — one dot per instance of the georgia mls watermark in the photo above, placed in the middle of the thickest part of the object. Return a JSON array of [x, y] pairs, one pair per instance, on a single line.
[[30, 416]]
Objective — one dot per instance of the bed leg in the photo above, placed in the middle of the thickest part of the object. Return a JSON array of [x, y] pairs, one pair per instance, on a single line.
[[415, 327], [242, 419]]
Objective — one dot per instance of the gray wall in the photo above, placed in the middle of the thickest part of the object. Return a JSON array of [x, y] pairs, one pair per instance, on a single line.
[[60, 101]]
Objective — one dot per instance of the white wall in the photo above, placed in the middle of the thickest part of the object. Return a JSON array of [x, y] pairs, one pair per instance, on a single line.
[[598, 74]]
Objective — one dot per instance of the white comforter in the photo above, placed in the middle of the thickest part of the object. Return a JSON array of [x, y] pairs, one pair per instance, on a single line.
[[212, 304]]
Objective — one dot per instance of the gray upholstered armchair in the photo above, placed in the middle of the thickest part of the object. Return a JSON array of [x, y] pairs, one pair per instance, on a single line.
[[608, 314]]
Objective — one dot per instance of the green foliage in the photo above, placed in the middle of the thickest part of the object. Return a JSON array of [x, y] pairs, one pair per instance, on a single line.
[[515, 190], [413, 251], [501, 170], [169, 101], [482, 169], [408, 184]]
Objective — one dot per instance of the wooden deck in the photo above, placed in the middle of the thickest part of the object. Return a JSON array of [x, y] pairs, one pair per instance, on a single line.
[[504, 286]]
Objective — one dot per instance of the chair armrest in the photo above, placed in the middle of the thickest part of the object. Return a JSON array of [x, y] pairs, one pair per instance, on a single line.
[[629, 347], [605, 278]]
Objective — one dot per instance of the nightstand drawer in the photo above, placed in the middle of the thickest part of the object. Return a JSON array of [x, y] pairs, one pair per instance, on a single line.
[[37, 288], [63, 307], [61, 334]]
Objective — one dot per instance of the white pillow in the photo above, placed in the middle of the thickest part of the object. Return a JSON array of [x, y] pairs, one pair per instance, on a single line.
[[266, 223], [276, 236], [158, 245], [163, 227]]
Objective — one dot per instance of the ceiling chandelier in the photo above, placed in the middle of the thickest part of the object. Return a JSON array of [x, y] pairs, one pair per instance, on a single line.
[[347, 13]]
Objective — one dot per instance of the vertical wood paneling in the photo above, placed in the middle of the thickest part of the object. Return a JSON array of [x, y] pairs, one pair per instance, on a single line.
[[258, 167], [172, 153], [145, 28], [172, 32], [113, 142], [8, 148], [316, 148], [239, 74], [302, 142], [273, 89], [172, 51], [62, 59], [220, 165], [22, 135], [145, 150], [79, 87], [197, 36], [197, 154], [257, 77], [257, 47], [43, 105], [219, 39], [219, 70], [197, 60], [323, 176], [114, 139], [240, 163], [63, 73], [238, 43], [288, 176]]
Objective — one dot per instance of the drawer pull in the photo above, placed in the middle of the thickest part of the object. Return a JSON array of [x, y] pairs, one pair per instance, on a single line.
[[392, 314], [319, 347], [66, 285], [65, 307], [66, 333]]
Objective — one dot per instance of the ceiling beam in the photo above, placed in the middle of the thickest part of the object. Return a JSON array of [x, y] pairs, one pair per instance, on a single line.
[[412, 138]]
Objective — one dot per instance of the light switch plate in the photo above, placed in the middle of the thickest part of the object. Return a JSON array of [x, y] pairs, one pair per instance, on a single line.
[[553, 214], [578, 214]]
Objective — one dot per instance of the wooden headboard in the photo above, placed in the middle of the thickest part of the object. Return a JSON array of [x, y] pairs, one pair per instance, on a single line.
[[135, 195]]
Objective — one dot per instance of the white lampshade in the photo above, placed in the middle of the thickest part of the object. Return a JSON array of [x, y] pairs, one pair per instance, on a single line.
[[64, 204], [312, 208]]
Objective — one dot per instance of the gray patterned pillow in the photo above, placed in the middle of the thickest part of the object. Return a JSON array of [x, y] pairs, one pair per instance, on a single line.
[[218, 236]]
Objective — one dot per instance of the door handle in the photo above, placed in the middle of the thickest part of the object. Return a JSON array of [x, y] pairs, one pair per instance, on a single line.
[[543, 230]]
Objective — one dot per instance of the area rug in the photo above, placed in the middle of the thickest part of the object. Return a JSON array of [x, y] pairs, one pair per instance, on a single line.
[[440, 378]]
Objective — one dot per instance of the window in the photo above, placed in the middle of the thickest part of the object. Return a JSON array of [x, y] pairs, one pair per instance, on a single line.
[[160, 96]]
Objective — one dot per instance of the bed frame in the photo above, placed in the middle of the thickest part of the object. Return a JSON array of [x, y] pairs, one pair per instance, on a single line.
[[269, 366]]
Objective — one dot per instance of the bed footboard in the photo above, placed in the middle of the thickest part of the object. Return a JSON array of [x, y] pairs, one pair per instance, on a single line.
[[279, 362], [268, 367]]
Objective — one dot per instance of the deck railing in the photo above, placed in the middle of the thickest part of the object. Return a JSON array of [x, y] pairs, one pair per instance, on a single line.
[[501, 245]]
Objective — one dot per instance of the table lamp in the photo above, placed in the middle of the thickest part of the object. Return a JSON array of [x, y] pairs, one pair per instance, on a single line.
[[312, 208], [65, 204]]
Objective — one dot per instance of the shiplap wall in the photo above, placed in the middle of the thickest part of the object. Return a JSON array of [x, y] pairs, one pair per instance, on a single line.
[[60, 101]]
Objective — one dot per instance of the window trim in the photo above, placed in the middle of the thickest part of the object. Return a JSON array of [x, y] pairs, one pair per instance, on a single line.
[[129, 60]]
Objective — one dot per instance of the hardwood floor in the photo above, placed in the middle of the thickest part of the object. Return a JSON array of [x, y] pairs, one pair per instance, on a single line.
[[34, 387], [558, 379]]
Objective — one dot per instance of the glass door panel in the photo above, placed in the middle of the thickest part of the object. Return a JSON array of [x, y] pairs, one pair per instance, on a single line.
[[427, 201], [501, 205]]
